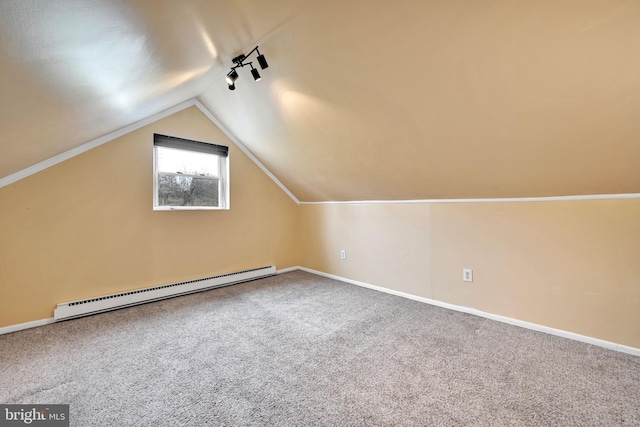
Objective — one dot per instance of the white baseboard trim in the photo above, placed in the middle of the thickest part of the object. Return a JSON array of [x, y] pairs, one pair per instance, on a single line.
[[521, 323], [42, 322], [287, 270], [26, 325]]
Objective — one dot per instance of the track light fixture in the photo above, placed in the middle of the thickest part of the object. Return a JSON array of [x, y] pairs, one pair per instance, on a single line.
[[239, 62]]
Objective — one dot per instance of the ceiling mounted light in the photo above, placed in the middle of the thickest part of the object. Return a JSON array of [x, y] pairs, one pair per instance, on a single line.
[[262, 61], [239, 62], [232, 77], [256, 74]]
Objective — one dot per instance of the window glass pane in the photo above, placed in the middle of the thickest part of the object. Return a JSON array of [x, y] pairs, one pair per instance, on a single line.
[[175, 190], [190, 162]]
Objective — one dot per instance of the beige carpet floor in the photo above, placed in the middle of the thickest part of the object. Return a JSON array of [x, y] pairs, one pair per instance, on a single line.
[[302, 350]]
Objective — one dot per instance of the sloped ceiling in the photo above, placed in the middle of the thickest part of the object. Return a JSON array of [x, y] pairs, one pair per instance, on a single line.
[[362, 100]]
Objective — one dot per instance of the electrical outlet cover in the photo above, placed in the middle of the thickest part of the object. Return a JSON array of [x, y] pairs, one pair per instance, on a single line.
[[467, 275]]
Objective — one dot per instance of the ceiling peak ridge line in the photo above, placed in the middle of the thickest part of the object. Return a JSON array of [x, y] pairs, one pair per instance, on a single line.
[[623, 196], [59, 158], [244, 149]]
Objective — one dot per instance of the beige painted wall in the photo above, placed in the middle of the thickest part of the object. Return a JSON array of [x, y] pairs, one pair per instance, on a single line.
[[86, 227], [570, 265]]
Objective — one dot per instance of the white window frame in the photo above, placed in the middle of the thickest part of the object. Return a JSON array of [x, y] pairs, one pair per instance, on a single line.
[[223, 168]]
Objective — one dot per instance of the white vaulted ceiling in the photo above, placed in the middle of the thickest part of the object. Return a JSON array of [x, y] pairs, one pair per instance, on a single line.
[[362, 99]]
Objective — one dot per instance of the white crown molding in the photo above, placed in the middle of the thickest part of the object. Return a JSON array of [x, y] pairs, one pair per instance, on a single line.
[[493, 200], [511, 321], [45, 164], [246, 151]]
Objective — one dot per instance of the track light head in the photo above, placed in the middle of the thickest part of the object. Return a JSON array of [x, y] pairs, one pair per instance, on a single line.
[[232, 77], [232, 86], [262, 61], [256, 74]]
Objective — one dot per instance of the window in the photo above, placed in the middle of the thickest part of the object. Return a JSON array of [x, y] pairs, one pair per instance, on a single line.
[[189, 174]]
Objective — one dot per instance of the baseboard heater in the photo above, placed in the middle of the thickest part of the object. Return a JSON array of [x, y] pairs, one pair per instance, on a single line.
[[74, 309]]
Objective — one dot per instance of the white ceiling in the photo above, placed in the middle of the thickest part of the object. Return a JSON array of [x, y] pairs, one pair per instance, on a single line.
[[362, 99]]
